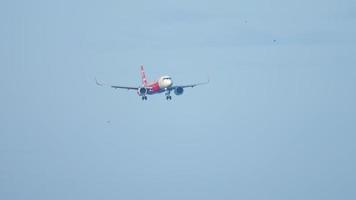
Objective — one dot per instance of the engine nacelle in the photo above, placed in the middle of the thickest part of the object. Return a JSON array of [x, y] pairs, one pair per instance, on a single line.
[[142, 91], [178, 91]]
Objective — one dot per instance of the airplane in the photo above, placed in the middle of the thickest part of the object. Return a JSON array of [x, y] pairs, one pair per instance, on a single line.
[[163, 84]]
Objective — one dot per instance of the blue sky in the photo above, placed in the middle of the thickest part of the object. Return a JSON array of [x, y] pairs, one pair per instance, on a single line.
[[277, 120]]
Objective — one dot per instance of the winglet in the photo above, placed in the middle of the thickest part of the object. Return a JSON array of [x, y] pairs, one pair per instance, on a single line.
[[206, 82], [98, 83]]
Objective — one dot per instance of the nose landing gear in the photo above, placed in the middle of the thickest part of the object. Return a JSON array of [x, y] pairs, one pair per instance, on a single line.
[[168, 95], [144, 98]]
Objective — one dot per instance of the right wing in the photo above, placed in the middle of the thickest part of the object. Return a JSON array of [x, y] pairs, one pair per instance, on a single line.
[[124, 87], [116, 86]]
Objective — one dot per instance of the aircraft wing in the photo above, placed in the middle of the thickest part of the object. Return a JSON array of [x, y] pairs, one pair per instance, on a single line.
[[116, 86], [124, 87], [191, 85]]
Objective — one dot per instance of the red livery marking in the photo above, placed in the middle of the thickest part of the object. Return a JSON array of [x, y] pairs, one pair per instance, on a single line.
[[155, 87], [143, 76]]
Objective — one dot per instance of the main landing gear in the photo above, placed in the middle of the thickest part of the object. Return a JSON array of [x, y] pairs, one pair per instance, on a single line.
[[144, 98]]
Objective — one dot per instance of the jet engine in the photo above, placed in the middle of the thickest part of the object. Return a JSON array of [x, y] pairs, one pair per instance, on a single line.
[[142, 91], [178, 90]]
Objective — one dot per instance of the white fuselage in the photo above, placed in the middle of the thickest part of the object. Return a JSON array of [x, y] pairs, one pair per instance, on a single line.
[[165, 82]]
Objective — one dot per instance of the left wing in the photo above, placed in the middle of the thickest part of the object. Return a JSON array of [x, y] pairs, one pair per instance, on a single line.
[[191, 85]]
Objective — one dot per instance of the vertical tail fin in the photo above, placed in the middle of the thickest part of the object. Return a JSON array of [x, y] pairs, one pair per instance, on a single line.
[[143, 76]]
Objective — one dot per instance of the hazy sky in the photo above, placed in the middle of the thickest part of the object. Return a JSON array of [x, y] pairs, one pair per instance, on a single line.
[[277, 120]]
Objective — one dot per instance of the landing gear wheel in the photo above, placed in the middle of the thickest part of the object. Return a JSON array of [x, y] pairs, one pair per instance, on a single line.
[[169, 97], [144, 98]]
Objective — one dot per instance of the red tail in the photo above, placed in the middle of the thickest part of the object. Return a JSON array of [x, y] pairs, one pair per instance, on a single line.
[[143, 76]]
